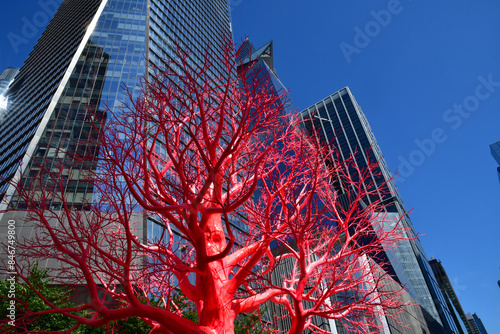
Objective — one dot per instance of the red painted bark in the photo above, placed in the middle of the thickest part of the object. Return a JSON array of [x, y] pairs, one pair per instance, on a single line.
[[203, 154]]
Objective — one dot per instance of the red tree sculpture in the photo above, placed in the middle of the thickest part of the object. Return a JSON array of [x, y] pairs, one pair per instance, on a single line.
[[241, 210]]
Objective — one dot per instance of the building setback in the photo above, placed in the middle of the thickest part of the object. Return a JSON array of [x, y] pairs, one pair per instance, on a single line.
[[339, 122]]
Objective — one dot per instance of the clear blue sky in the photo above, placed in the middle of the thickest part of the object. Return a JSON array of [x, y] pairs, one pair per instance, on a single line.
[[427, 76]]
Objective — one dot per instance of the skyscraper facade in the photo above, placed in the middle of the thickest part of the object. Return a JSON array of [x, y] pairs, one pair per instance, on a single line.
[[338, 121], [90, 50]]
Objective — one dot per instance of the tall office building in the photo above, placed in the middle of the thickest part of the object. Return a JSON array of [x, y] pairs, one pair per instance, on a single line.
[[475, 323], [339, 122], [262, 62], [6, 78], [495, 152], [88, 51]]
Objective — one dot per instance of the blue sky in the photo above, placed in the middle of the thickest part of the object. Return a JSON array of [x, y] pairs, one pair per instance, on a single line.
[[427, 75]]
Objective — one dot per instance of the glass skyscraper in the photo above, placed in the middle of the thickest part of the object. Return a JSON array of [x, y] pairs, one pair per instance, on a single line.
[[6, 78], [476, 324], [90, 50], [339, 122], [262, 63]]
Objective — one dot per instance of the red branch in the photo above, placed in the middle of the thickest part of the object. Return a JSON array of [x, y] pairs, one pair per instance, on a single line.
[[243, 205]]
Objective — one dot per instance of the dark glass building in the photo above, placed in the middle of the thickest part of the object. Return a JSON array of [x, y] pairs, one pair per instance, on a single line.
[[90, 49], [262, 64], [452, 300], [261, 60], [475, 324], [339, 122]]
